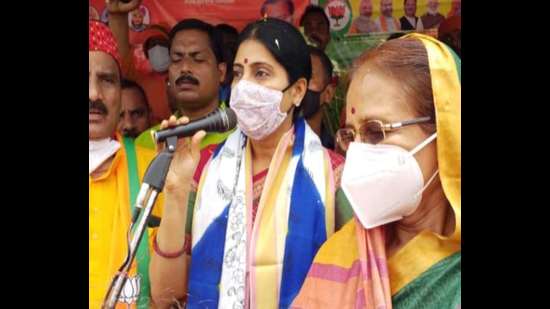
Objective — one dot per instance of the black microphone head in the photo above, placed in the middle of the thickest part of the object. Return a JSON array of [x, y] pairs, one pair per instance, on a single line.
[[231, 119], [220, 120]]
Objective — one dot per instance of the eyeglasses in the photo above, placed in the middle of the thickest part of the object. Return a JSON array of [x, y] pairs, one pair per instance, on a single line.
[[373, 131]]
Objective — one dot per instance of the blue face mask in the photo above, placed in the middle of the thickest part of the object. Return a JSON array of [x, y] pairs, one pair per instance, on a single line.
[[159, 58]]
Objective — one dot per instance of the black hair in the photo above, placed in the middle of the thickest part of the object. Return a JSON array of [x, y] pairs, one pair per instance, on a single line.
[[325, 61], [395, 35], [129, 84], [312, 9], [227, 35], [227, 29], [285, 43], [195, 24], [289, 4]]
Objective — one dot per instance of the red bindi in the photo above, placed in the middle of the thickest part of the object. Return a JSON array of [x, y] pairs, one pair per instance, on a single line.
[[245, 60], [353, 110]]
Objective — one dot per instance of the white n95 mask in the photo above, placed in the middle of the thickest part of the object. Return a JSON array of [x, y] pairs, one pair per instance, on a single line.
[[383, 183]]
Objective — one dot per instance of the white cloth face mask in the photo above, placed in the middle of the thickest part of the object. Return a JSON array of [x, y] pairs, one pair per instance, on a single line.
[[99, 151], [258, 108]]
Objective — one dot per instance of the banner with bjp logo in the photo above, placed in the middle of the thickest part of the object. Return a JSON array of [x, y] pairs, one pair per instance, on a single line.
[[236, 13], [370, 16], [342, 14], [355, 25]]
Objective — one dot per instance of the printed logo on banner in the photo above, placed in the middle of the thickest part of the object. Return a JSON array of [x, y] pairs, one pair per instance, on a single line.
[[139, 18], [339, 14]]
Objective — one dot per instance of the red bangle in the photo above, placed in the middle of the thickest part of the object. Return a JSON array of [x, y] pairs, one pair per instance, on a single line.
[[164, 254]]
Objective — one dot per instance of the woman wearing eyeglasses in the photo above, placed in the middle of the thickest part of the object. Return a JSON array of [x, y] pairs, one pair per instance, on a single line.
[[402, 178]]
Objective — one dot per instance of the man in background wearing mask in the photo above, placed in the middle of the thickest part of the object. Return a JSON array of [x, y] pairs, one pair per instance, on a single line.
[[155, 48], [316, 27], [147, 62], [135, 116], [116, 168], [319, 93]]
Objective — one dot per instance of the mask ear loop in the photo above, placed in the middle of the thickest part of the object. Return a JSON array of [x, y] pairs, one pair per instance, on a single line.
[[429, 181], [414, 151], [423, 144], [288, 87], [424, 188], [283, 91]]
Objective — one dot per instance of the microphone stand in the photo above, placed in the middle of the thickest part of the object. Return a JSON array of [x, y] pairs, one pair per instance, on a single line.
[[153, 183]]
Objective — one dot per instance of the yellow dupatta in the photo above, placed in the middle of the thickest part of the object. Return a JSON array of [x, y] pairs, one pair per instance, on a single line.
[[349, 270]]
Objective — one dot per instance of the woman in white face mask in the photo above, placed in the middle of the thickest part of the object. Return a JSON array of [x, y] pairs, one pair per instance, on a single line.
[[402, 178], [268, 197]]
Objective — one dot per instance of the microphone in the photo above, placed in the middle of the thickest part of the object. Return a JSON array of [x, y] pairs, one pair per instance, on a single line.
[[220, 120]]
